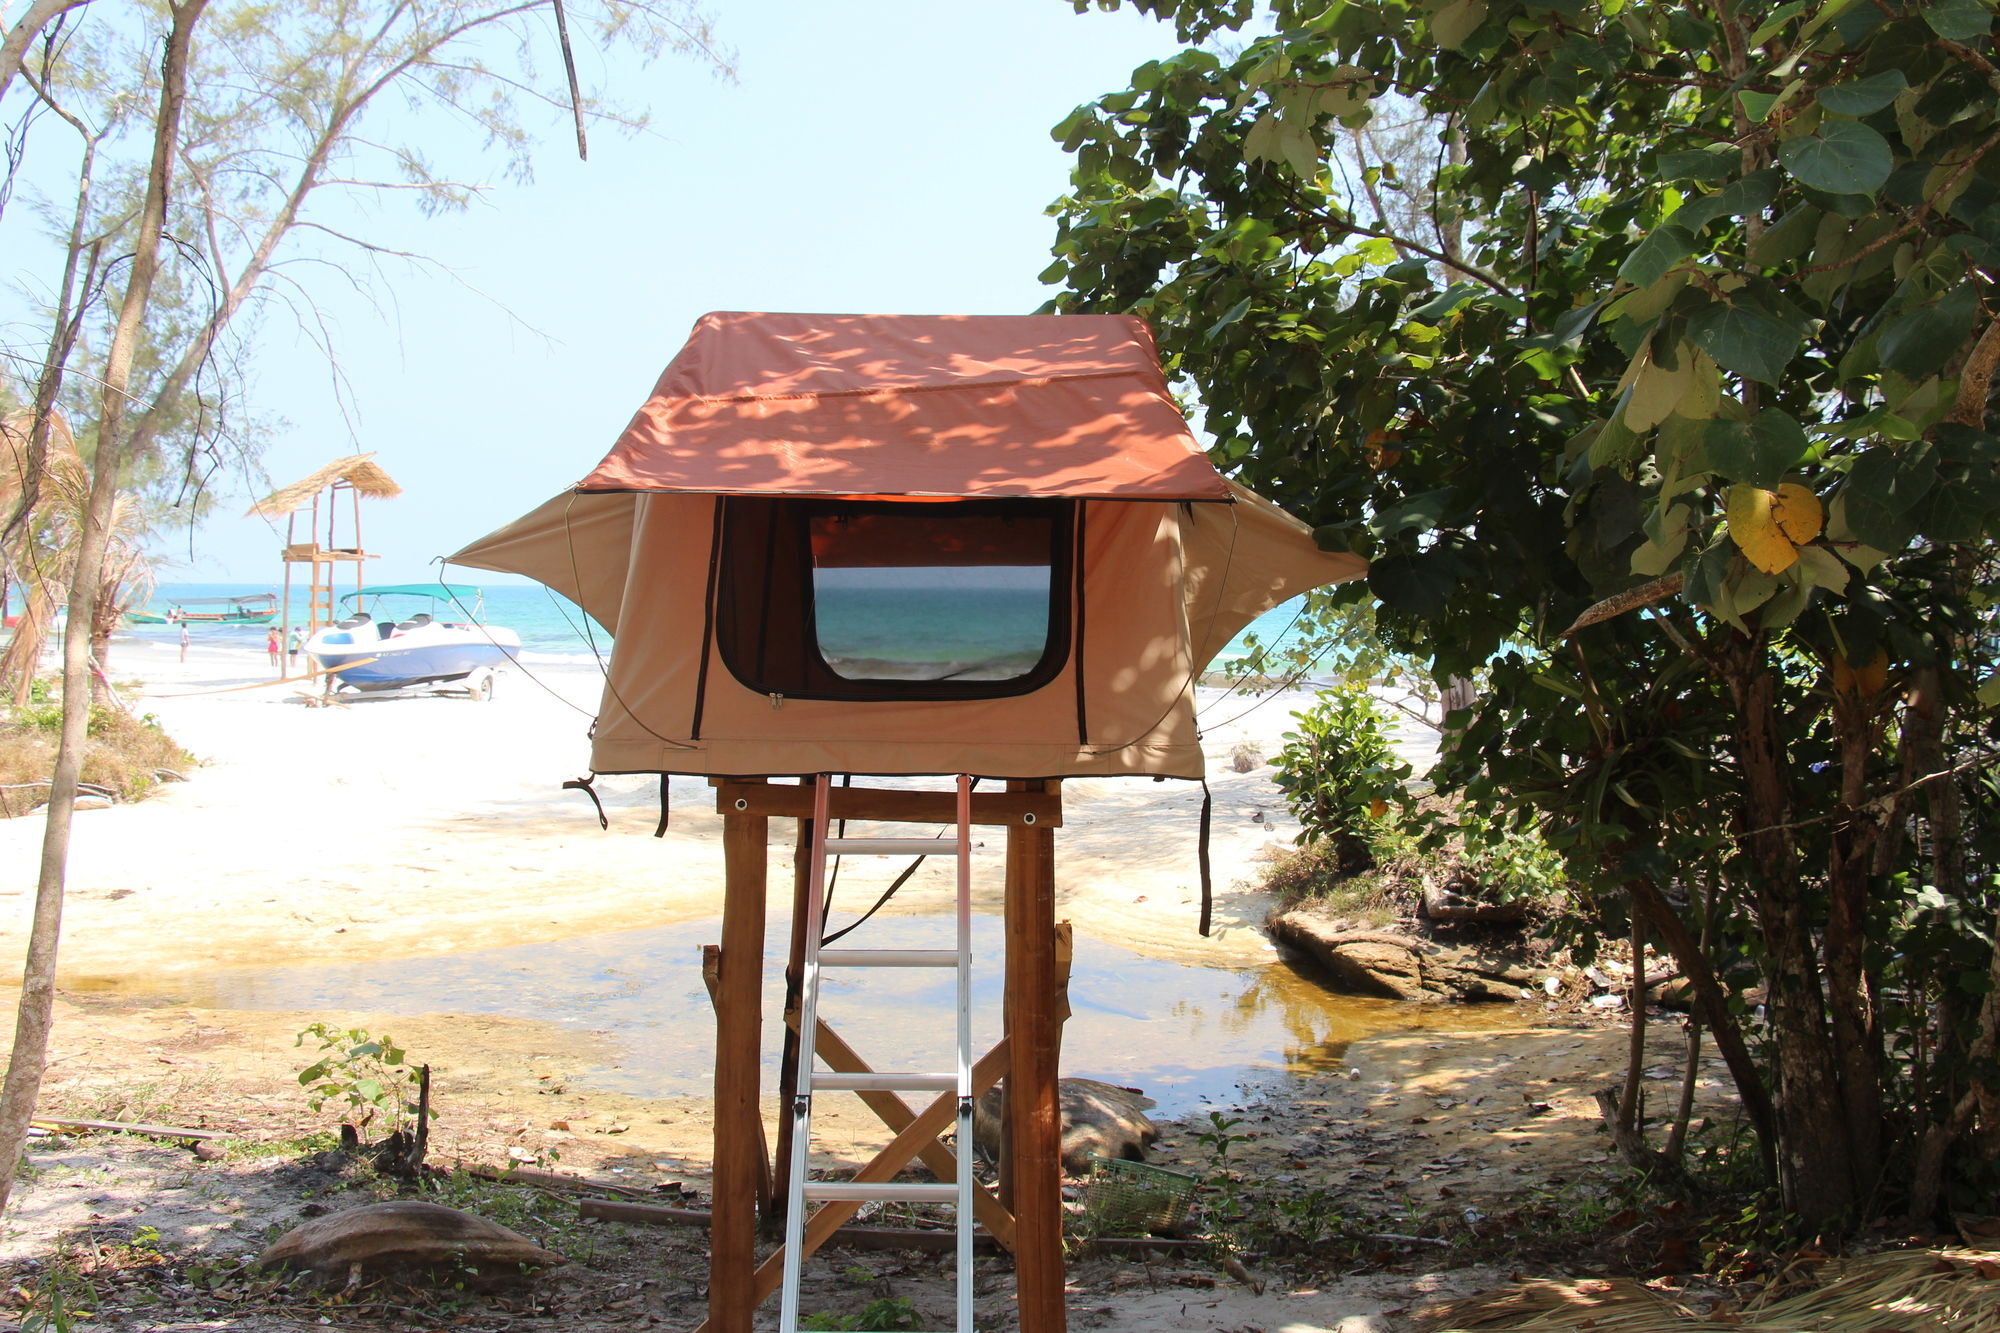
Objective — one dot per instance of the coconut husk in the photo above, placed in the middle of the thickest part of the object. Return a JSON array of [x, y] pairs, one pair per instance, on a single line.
[[1904, 1291]]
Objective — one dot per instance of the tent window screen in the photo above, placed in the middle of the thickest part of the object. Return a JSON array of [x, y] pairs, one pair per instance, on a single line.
[[837, 599]]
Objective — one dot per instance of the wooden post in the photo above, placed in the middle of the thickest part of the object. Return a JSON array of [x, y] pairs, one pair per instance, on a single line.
[[711, 977], [788, 1064], [1034, 1117], [739, 1122]]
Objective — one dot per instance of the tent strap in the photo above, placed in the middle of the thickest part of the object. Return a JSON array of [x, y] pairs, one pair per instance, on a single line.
[[1076, 654], [887, 894], [1201, 851], [587, 785], [666, 790]]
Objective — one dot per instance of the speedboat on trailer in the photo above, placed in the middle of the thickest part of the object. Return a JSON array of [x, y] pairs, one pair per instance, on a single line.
[[370, 649]]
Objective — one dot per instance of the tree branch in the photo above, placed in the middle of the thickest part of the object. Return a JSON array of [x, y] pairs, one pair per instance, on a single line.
[[14, 47]]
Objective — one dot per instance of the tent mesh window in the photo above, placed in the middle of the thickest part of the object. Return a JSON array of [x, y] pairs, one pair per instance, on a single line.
[[894, 599]]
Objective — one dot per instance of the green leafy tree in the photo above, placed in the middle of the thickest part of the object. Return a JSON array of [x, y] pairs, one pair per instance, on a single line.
[[1682, 440], [214, 141]]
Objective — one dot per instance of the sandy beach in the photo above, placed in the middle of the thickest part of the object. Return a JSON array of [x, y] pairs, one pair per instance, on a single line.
[[398, 863], [404, 863], [414, 825]]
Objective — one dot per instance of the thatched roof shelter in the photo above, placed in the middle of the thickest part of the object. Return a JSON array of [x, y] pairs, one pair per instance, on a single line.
[[357, 472]]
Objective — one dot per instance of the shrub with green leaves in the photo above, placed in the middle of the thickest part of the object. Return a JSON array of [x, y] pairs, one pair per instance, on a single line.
[[365, 1076], [1340, 774]]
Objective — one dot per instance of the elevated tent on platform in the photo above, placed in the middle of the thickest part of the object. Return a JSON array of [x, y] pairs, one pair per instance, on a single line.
[[899, 544]]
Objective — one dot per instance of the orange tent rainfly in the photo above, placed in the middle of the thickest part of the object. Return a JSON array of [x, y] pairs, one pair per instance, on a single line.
[[899, 544]]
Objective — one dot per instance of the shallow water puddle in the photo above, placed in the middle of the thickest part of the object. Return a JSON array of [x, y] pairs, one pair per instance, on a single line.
[[1183, 1033]]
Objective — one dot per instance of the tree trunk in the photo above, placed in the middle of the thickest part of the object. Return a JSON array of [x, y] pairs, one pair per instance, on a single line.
[[104, 619], [1713, 1006], [35, 1017], [1814, 1155], [1855, 1036]]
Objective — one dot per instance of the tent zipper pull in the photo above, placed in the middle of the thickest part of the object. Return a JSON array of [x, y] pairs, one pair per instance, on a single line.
[[777, 702]]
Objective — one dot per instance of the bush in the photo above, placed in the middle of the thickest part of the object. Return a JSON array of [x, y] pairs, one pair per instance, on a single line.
[[1340, 775], [123, 753]]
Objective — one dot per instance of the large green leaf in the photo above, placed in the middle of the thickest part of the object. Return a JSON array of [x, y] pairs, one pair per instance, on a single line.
[[1920, 341], [1758, 451], [1422, 512], [1959, 20], [1882, 491], [1861, 97], [1416, 584], [1840, 157], [1698, 164], [1457, 21], [1962, 510], [1745, 339], [1739, 198], [1663, 247]]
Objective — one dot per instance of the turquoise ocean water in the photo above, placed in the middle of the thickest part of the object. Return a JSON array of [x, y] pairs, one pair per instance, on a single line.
[[554, 631]]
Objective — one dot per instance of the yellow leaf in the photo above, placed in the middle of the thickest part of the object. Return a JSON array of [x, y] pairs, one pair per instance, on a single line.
[[1869, 680], [1753, 526], [1657, 392], [1798, 513]]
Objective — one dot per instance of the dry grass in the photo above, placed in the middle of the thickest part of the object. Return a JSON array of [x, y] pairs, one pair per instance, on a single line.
[[1907, 1291], [1312, 875], [124, 755]]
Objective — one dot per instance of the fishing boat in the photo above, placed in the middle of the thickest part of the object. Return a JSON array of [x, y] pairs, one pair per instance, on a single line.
[[441, 642], [260, 608]]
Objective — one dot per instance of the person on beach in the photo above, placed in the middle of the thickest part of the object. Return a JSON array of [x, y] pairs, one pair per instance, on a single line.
[[184, 641], [272, 645], [296, 641]]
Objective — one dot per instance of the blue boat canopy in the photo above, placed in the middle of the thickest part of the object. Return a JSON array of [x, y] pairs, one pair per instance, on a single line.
[[443, 592]]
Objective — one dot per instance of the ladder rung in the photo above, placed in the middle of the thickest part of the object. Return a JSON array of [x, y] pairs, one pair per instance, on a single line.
[[885, 1082], [892, 1192], [888, 958], [892, 846]]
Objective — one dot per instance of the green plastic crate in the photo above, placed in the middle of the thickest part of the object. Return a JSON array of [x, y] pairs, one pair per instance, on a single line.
[[1137, 1198]]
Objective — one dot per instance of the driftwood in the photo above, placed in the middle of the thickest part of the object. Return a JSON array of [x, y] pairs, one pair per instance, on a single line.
[[409, 1238], [124, 1127], [1444, 903]]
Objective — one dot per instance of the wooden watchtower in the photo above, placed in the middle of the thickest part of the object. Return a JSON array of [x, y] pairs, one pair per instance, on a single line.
[[773, 543], [322, 548]]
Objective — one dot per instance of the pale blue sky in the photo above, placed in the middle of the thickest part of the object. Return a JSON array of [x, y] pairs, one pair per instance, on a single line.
[[886, 156]]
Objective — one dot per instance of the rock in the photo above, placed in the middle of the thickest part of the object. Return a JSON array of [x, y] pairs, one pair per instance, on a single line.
[[1098, 1120], [1401, 967], [408, 1238]]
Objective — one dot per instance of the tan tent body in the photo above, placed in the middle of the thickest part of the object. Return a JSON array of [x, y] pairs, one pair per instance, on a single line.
[[814, 435]]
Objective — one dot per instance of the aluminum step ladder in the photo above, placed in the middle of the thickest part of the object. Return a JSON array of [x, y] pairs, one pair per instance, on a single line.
[[798, 1190]]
